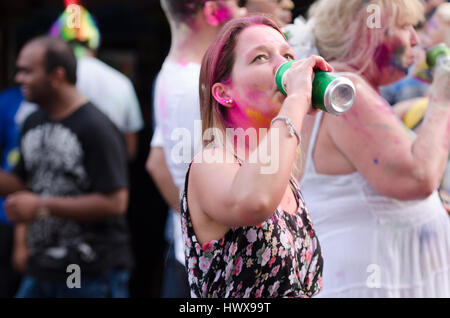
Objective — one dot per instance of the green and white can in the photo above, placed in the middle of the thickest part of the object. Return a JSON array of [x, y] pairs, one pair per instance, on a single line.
[[331, 94], [439, 55]]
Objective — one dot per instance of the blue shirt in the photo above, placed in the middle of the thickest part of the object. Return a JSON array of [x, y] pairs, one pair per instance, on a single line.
[[10, 101]]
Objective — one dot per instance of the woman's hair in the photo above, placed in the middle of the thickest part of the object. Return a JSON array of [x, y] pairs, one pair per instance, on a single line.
[[217, 66], [347, 30]]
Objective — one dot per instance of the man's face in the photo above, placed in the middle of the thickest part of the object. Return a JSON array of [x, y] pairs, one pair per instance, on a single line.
[[31, 74]]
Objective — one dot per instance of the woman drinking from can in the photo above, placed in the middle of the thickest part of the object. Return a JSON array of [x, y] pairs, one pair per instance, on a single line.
[[247, 232]]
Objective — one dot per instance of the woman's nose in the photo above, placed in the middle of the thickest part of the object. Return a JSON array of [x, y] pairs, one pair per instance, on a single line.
[[278, 61], [415, 40]]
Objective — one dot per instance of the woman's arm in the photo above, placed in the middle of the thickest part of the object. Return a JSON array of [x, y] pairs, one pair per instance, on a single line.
[[402, 108], [373, 139]]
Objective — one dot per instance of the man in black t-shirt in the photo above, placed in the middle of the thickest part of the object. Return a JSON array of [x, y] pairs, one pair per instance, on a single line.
[[70, 186]]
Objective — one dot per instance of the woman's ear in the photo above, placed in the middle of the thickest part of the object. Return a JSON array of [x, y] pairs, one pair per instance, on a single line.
[[221, 95]]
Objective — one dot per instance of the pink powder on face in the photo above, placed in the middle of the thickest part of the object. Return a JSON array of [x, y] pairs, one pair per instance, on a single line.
[[383, 56], [386, 57], [255, 95], [223, 14]]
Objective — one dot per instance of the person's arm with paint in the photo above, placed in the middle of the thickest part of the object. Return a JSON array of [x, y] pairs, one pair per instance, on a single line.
[[378, 146]]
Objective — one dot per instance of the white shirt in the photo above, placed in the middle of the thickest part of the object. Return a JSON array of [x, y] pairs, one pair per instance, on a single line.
[[111, 91], [178, 128]]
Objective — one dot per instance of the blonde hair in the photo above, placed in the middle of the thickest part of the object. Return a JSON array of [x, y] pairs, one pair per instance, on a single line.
[[342, 31]]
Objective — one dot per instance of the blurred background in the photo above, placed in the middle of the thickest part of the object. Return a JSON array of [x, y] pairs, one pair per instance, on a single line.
[[135, 41]]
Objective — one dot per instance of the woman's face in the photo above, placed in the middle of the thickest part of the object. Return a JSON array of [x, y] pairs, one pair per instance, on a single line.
[[396, 54], [259, 51], [435, 32]]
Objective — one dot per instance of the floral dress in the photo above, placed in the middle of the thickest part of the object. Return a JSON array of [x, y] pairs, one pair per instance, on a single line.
[[278, 258]]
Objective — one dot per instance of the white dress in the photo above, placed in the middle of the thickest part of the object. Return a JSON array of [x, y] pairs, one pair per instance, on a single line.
[[375, 246]]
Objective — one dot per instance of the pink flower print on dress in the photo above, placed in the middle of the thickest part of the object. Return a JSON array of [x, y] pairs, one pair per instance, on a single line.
[[274, 288], [247, 292], [275, 271], [299, 222], [272, 260], [259, 292], [249, 250], [229, 289], [284, 240], [218, 273], [282, 252], [228, 271], [238, 266], [266, 256], [204, 264], [251, 236], [308, 256], [197, 248], [208, 247], [233, 249]]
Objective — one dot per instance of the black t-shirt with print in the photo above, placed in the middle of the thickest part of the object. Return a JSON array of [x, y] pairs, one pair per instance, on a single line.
[[81, 154]]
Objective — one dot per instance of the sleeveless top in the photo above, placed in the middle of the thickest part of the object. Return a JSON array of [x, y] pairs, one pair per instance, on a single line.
[[278, 258], [375, 246]]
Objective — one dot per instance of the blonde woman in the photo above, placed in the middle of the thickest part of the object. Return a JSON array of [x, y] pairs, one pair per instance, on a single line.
[[370, 185]]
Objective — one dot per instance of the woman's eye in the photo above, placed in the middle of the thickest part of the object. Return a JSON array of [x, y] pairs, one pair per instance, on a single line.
[[289, 57], [260, 57]]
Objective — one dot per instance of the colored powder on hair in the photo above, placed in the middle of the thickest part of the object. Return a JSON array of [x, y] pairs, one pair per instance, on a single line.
[[81, 29]]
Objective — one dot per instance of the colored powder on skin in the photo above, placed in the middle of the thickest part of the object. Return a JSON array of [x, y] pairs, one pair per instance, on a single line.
[[259, 119], [223, 14], [256, 95], [385, 58], [382, 57], [432, 24], [398, 60]]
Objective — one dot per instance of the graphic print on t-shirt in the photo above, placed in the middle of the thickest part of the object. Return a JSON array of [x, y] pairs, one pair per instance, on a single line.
[[53, 155]]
